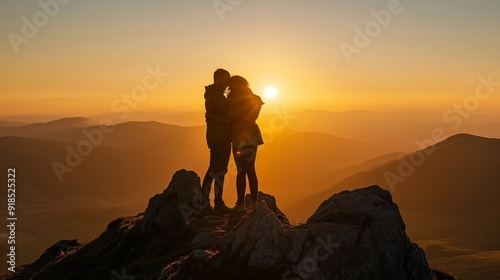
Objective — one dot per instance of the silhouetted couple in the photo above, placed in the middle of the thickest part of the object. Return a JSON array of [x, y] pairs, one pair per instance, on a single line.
[[231, 123]]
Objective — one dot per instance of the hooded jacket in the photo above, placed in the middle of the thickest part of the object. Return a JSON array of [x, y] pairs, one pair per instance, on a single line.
[[246, 108], [216, 104]]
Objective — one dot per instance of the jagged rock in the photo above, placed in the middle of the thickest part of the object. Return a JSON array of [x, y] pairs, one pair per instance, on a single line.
[[206, 239], [271, 203], [53, 254], [60, 248], [381, 246], [176, 205], [190, 266], [352, 235], [254, 240], [199, 264]]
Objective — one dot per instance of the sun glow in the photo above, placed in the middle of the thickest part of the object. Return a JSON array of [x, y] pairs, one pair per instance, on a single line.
[[270, 93]]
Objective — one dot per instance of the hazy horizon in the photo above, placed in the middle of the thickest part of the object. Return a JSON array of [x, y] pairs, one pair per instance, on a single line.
[[153, 114]]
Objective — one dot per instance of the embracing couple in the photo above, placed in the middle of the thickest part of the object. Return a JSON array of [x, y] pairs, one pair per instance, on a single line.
[[231, 126]]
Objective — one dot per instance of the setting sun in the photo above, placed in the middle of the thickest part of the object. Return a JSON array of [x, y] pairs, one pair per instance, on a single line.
[[270, 93]]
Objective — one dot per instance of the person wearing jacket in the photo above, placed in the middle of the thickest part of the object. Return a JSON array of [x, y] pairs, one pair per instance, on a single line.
[[218, 140], [245, 137]]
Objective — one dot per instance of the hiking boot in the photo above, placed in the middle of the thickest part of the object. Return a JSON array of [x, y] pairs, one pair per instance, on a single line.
[[221, 207], [239, 208]]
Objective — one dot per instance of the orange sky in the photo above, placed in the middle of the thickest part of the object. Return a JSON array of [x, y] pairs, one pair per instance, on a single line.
[[89, 55]]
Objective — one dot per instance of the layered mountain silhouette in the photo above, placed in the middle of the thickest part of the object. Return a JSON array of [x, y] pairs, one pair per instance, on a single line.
[[397, 129], [352, 235], [336, 176], [458, 175], [44, 130]]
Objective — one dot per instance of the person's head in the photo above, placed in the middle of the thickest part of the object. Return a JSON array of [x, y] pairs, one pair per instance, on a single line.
[[221, 76], [237, 82]]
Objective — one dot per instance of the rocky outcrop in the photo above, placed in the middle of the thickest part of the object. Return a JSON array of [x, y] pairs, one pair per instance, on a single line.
[[175, 206], [371, 235], [352, 235]]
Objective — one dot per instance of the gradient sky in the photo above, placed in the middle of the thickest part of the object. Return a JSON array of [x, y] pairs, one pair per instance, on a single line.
[[92, 52]]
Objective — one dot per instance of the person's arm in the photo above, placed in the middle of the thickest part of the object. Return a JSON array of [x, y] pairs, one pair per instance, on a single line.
[[216, 118], [255, 106], [223, 108]]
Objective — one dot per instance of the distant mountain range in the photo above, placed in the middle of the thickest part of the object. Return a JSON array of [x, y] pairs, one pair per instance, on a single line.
[[291, 157], [461, 175], [395, 129]]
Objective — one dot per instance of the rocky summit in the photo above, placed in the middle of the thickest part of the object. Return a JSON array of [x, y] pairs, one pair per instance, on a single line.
[[352, 235]]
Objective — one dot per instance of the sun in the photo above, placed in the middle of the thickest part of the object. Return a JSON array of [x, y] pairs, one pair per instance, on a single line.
[[270, 93]]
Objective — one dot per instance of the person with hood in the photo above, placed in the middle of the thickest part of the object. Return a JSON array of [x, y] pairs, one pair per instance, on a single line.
[[218, 140], [245, 137]]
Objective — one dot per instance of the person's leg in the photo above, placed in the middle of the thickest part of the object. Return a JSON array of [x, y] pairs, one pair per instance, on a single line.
[[210, 175], [204, 198], [252, 175], [240, 162], [222, 161]]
